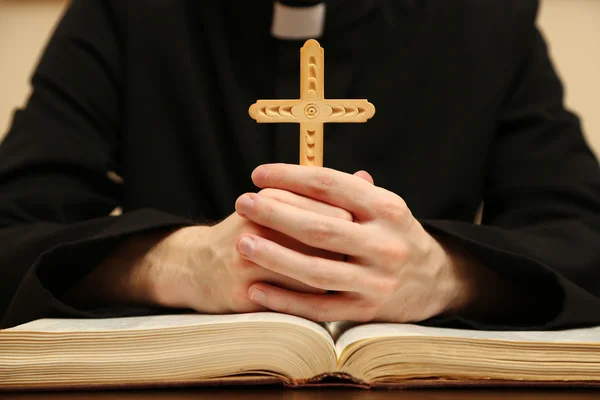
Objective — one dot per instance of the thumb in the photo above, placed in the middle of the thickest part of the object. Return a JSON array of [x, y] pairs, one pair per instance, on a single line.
[[366, 176]]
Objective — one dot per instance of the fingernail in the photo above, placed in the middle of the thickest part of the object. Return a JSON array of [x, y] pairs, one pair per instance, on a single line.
[[245, 204], [259, 173], [258, 296], [247, 246]]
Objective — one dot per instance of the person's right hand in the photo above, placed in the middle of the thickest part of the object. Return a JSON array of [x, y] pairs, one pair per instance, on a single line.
[[212, 277], [196, 267]]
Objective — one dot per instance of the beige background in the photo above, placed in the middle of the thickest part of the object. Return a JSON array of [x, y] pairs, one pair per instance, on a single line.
[[572, 28]]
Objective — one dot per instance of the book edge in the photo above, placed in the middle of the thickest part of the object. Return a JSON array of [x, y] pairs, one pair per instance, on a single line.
[[321, 381]]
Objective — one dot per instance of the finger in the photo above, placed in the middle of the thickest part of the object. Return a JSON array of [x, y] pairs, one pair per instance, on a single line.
[[366, 176], [314, 271], [310, 228], [305, 203], [319, 308], [244, 225], [340, 189], [282, 281], [296, 245]]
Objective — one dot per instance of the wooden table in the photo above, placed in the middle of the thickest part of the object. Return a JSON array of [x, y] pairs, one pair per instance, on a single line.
[[314, 394]]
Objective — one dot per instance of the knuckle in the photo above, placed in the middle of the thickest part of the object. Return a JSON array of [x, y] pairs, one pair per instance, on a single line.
[[391, 253], [268, 213], [318, 279], [398, 253], [322, 184], [393, 209], [319, 231]]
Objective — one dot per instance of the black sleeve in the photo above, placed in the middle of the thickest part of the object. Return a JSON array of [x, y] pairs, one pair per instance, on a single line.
[[541, 222], [55, 192]]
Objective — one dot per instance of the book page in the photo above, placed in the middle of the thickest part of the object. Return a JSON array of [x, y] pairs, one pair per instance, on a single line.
[[155, 322], [371, 331]]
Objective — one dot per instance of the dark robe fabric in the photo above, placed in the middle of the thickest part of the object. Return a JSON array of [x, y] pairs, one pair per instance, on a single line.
[[469, 111]]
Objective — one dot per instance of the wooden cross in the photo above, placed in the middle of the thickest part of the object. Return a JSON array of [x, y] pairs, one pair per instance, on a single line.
[[312, 110]]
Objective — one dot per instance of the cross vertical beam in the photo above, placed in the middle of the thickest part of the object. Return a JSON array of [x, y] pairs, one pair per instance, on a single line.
[[312, 87]]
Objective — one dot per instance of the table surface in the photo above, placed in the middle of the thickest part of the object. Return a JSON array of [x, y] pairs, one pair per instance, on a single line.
[[316, 393]]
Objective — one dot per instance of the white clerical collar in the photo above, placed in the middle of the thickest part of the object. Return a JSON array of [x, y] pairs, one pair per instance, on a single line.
[[298, 20]]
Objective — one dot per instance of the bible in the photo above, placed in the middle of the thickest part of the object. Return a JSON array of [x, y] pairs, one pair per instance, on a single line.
[[272, 348]]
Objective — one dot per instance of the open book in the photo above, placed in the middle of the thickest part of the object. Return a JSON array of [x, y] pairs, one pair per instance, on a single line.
[[192, 349]]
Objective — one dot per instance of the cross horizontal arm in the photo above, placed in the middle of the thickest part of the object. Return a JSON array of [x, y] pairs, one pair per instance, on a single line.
[[314, 111], [347, 111], [276, 111]]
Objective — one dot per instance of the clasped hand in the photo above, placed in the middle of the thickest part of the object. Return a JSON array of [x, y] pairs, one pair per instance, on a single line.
[[391, 268], [314, 242]]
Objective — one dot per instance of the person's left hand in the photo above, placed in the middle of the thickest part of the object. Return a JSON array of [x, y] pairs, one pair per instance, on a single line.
[[394, 270]]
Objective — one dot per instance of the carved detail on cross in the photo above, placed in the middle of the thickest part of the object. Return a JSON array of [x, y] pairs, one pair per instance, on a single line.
[[312, 110]]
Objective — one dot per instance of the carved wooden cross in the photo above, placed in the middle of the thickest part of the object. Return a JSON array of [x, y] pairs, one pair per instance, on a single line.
[[312, 110]]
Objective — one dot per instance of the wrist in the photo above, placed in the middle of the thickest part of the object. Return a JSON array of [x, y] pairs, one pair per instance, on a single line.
[[144, 270], [477, 291], [460, 280], [126, 277], [168, 266], [116, 281]]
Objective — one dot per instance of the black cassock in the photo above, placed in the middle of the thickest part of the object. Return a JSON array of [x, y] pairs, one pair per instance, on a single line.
[[469, 110]]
